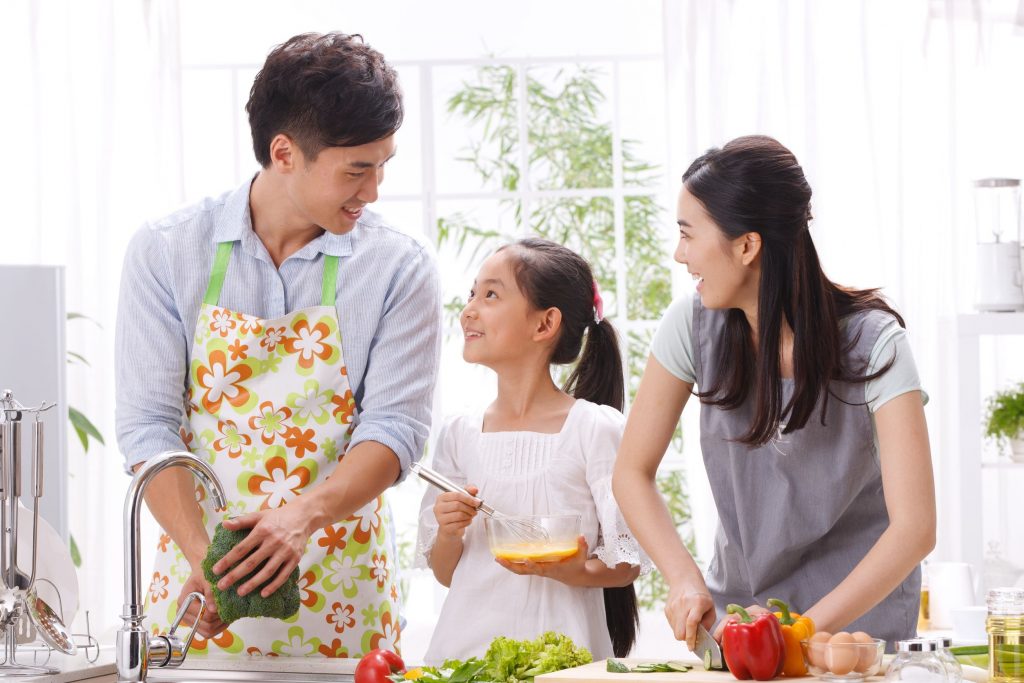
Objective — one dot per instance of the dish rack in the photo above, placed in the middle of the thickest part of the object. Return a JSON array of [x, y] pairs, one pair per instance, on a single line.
[[28, 641], [22, 611]]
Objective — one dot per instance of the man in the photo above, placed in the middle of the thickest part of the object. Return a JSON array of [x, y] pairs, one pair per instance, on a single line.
[[284, 333]]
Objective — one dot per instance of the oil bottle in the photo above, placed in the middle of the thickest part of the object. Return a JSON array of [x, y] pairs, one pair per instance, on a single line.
[[1005, 627]]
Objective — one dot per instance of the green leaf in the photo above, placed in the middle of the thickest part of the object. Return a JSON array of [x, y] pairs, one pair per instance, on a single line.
[[77, 358], [76, 557], [84, 428], [79, 316]]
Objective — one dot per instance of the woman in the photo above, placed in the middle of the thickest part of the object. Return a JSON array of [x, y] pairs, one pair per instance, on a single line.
[[812, 423]]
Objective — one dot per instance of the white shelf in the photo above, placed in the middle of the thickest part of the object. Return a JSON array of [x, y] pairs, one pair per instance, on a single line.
[[978, 324], [961, 408]]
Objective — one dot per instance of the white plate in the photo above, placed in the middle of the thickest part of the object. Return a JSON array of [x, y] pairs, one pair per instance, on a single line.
[[54, 571]]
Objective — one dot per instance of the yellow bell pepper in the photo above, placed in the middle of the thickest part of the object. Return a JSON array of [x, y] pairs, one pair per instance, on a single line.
[[794, 629]]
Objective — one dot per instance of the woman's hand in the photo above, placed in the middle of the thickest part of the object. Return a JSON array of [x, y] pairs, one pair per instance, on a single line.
[[455, 511], [278, 537], [686, 608], [211, 624], [569, 571], [753, 610]]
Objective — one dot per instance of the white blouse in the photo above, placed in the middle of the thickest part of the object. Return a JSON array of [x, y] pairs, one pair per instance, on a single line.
[[528, 473]]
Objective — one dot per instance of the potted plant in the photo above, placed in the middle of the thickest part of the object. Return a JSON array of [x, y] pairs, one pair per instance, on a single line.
[[1005, 420]]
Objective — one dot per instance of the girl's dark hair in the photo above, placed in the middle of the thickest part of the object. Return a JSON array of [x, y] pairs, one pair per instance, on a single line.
[[553, 276], [323, 90], [754, 184]]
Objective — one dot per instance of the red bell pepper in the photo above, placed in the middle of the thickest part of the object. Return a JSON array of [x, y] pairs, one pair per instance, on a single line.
[[753, 648]]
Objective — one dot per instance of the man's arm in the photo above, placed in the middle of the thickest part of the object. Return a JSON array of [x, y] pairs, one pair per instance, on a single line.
[[402, 363], [150, 352], [150, 364]]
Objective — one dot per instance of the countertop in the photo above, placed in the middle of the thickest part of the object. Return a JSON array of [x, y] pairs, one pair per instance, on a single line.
[[76, 668]]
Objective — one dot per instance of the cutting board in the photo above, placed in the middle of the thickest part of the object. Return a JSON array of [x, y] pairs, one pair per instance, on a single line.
[[598, 671]]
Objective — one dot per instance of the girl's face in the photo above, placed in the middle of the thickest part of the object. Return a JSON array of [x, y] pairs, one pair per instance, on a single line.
[[498, 321], [721, 266]]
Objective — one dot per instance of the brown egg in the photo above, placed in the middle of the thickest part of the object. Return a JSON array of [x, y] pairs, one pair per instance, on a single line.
[[841, 654], [816, 650], [866, 649]]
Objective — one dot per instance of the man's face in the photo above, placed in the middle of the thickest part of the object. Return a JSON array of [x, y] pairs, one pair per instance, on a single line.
[[331, 191]]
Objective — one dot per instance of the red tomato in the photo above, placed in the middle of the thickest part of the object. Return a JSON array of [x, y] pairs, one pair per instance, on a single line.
[[376, 665]]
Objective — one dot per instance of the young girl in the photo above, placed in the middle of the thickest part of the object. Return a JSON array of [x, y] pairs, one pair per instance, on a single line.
[[812, 424], [536, 449]]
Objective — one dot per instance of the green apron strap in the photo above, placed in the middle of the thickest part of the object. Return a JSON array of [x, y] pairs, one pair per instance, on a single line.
[[330, 283], [220, 267]]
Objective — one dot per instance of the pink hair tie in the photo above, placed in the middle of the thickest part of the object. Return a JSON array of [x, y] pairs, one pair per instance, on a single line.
[[598, 304]]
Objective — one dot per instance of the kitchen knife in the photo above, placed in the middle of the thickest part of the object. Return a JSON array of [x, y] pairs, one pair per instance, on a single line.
[[707, 649]]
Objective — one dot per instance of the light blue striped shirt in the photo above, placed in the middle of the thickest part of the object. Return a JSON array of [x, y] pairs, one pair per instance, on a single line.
[[388, 301]]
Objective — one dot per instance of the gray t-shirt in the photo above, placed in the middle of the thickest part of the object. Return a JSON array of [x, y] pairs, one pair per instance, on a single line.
[[673, 347]]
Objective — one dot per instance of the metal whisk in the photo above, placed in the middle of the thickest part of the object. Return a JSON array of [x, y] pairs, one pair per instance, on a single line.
[[523, 529]]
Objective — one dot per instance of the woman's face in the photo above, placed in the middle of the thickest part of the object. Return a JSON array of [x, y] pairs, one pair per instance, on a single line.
[[721, 266]]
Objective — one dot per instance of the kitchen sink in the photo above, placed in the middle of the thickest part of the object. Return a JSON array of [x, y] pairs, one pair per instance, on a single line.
[[257, 670]]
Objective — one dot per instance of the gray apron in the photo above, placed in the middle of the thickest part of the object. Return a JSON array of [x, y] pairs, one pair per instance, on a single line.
[[799, 513]]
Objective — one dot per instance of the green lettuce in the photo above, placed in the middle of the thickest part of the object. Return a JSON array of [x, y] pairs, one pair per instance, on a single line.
[[512, 661]]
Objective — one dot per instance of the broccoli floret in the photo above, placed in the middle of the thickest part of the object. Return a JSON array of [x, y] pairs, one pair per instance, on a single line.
[[281, 604]]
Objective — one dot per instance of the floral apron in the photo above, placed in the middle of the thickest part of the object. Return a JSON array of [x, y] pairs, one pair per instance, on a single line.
[[271, 410]]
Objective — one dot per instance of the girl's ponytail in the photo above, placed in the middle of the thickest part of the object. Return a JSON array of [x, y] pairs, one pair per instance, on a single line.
[[598, 376]]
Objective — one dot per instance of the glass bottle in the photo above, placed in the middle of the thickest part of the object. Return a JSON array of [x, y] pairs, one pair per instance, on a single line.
[[923, 616], [1005, 627], [918, 661], [954, 672]]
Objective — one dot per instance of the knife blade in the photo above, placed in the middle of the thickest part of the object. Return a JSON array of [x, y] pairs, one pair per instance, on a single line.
[[707, 649]]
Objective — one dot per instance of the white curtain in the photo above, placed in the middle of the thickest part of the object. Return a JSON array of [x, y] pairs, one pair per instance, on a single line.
[[90, 117], [892, 108]]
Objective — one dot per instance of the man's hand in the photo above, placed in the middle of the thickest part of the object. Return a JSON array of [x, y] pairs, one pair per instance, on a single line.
[[211, 624], [278, 537]]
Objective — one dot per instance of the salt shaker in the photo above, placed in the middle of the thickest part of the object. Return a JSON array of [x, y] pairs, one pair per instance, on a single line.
[[919, 661]]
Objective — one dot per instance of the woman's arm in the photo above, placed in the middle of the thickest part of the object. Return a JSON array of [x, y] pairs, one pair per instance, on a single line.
[[909, 490], [652, 420]]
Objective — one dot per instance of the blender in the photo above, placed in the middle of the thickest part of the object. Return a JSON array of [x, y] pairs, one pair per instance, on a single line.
[[999, 254]]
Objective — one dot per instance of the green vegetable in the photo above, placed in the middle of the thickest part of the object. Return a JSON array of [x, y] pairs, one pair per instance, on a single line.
[[616, 667], [1010, 657], [512, 661], [281, 604]]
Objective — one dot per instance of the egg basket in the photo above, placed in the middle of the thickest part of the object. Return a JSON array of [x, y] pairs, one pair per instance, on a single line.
[[844, 661]]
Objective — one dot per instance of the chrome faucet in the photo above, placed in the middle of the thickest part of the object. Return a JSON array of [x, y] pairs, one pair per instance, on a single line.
[[136, 650]]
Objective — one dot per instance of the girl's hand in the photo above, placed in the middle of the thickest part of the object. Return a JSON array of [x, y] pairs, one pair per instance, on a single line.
[[686, 607], [454, 512], [569, 571], [278, 537], [754, 611]]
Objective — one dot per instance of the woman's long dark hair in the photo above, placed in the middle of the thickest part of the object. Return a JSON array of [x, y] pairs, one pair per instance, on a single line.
[[552, 276], [754, 184]]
